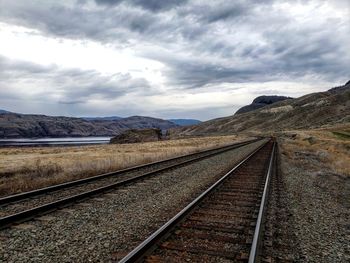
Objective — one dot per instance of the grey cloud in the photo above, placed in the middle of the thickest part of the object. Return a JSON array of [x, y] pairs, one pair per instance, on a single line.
[[72, 102], [222, 10], [63, 21], [197, 74], [283, 50], [121, 22], [225, 12], [70, 86], [211, 12], [286, 57], [108, 2], [153, 5], [300, 51], [94, 86], [8, 65]]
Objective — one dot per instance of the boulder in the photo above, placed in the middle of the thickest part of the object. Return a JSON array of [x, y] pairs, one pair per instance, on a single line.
[[134, 136]]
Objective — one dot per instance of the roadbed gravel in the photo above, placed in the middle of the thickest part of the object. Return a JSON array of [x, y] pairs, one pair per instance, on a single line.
[[318, 199], [107, 227], [280, 243]]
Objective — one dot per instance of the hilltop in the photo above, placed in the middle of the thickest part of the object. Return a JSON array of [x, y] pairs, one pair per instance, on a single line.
[[322, 109], [260, 102]]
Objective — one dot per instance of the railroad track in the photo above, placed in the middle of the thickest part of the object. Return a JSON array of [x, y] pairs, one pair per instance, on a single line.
[[223, 224], [25, 206]]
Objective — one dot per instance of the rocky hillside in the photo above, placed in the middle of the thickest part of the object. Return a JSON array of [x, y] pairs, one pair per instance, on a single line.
[[310, 111], [13, 125], [260, 102]]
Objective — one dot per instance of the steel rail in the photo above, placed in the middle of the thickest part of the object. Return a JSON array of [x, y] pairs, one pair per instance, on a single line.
[[137, 254], [46, 208], [255, 245], [21, 196]]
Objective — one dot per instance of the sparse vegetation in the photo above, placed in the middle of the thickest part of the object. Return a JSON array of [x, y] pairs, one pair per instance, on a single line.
[[327, 147], [316, 170], [342, 135], [24, 169], [312, 111]]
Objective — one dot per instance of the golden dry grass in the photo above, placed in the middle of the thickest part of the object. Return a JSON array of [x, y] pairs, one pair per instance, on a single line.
[[331, 150], [24, 169]]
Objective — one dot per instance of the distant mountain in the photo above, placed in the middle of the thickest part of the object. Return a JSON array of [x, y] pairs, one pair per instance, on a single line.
[[185, 122], [142, 122], [260, 102], [315, 110], [3, 111], [180, 122], [14, 125], [111, 118]]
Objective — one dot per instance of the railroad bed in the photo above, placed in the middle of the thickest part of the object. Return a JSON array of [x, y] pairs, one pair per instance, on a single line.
[[223, 224], [21, 207]]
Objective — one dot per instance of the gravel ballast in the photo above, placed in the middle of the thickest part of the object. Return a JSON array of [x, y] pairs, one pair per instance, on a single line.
[[279, 240], [318, 199], [105, 228]]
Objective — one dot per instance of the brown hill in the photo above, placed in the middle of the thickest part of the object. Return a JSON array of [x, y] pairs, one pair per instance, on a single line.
[[310, 111], [13, 125]]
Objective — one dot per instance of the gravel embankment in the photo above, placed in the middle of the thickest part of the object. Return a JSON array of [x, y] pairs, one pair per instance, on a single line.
[[319, 202], [64, 193], [280, 242], [104, 229]]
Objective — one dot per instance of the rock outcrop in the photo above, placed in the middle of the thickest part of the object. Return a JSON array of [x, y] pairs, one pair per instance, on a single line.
[[260, 102], [134, 136], [341, 88]]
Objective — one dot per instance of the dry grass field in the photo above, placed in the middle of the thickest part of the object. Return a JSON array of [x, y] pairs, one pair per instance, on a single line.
[[24, 169], [316, 171], [330, 147]]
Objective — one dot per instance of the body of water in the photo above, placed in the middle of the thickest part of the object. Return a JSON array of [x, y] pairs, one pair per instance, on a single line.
[[69, 141]]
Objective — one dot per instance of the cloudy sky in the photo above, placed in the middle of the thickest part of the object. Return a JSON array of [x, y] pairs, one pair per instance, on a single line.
[[167, 58]]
